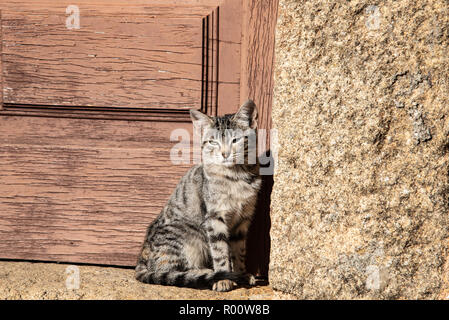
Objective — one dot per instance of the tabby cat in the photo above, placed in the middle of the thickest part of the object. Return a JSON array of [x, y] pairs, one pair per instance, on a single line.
[[198, 240]]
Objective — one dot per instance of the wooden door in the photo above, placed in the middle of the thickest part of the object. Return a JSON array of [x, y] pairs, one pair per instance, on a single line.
[[90, 94]]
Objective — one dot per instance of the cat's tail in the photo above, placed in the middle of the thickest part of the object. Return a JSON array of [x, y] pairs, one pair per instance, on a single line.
[[194, 278]]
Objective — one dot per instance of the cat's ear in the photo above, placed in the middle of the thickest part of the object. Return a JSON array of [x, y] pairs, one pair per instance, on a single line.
[[200, 119], [247, 115]]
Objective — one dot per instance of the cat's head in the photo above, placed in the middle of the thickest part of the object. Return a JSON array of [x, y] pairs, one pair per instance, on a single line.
[[230, 139]]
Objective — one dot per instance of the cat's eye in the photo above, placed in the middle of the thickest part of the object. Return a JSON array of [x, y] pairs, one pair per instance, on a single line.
[[213, 142], [235, 140]]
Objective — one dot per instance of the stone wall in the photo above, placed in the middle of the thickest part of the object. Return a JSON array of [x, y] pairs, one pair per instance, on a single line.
[[360, 205]]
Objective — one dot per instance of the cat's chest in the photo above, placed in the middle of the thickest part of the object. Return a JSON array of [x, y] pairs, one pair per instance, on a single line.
[[232, 196]]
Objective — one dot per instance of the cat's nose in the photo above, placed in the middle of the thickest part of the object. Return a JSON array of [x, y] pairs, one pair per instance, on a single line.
[[225, 152]]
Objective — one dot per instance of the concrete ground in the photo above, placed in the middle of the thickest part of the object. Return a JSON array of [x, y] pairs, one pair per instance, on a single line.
[[28, 280]]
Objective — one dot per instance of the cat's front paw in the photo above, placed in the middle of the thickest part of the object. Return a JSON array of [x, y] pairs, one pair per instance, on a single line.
[[224, 285]]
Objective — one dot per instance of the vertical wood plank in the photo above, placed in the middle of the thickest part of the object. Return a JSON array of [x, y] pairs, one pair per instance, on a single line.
[[256, 83], [213, 61], [210, 64], [229, 51], [259, 23], [1, 59]]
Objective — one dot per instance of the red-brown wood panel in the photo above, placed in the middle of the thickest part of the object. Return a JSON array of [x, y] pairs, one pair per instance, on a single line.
[[121, 56], [82, 190]]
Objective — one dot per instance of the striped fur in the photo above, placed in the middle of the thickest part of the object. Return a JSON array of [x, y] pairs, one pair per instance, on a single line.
[[198, 239]]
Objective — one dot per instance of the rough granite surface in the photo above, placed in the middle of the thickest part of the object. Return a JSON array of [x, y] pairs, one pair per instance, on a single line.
[[360, 203], [50, 281]]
